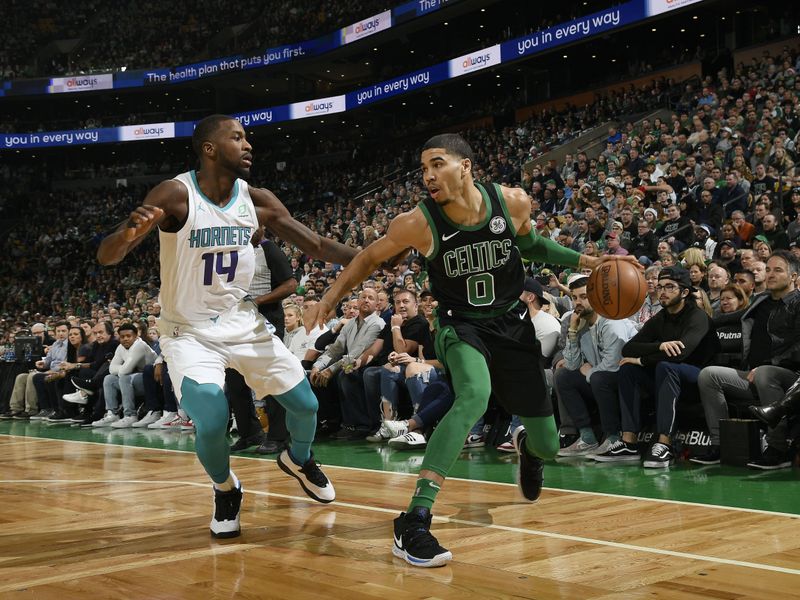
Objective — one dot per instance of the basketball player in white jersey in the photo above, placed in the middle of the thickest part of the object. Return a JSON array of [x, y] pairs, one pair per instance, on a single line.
[[205, 220]]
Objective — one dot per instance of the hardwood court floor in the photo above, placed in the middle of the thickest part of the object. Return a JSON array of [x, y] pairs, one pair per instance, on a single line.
[[87, 520]]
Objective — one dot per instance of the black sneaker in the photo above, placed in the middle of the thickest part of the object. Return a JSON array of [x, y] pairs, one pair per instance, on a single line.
[[225, 522], [59, 417], [311, 478], [345, 433], [660, 456], [531, 467], [710, 457], [270, 447], [243, 443], [21, 416], [413, 541], [619, 452], [7, 415], [771, 460], [565, 440]]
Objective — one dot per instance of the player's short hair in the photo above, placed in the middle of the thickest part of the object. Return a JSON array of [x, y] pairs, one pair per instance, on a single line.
[[128, 327], [205, 129], [453, 143]]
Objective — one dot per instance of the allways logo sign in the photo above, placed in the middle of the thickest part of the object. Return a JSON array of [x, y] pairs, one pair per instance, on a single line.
[[475, 61], [367, 27], [151, 131], [83, 83], [315, 108]]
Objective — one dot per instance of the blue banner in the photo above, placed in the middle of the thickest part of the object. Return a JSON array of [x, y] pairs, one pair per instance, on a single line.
[[573, 31], [525, 46]]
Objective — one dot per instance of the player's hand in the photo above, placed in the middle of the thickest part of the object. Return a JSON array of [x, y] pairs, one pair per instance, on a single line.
[[593, 262], [673, 348], [141, 221], [315, 315]]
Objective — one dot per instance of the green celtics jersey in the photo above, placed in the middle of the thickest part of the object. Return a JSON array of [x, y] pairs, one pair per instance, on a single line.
[[475, 270]]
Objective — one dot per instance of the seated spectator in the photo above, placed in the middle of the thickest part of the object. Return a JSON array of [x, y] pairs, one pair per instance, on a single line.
[[718, 278], [384, 363], [771, 347], [733, 302], [592, 354], [651, 305], [49, 367], [78, 352], [159, 396], [645, 245], [125, 377], [24, 403], [664, 358], [746, 282], [355, 337], [89, 378]]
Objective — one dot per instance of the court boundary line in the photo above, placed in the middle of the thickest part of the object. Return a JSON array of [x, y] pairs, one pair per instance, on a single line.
[[757, 511], [521, 530]]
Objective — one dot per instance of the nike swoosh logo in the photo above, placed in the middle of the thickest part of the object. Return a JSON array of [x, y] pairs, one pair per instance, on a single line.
[[447, 237], [434, 486], [398, 542], [523, 315]]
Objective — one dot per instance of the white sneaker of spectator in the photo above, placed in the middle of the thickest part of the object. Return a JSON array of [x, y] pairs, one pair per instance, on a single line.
[[77, 397], [578, 448], [151, 417], [166, 417], [124, 422], [409, 441], [187, 425], [107, 420], [175, 424], [396, 428], [381, 435]]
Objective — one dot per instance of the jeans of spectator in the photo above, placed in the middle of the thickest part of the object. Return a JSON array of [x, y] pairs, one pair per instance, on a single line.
[[720, 386], [434, 403], [355, 412], [416, 385], [391, 383], [664, 383], [329, 411], [576, 392], [43, 399], [128, 387], [373, 392], [158, 396], [645, 261], [23, 396], [565, 424], [240, 399]]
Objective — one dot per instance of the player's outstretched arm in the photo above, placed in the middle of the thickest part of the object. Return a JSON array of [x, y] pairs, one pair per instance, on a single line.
[[537, 248], [162, 204], [274, 216], [407, 230]]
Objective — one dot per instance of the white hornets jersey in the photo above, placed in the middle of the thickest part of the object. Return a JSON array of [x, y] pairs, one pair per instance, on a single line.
[[207, 266]]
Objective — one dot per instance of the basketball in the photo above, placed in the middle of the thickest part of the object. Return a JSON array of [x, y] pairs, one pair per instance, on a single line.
[[616, 289]]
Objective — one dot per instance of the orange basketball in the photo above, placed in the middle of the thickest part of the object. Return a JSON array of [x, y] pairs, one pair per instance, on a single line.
[[616, 289]]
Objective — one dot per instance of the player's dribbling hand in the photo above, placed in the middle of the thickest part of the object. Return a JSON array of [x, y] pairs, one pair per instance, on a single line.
[[315, 315], [141, 221]]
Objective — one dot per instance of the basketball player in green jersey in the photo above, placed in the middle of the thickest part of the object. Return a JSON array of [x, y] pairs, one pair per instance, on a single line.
[[474, 238]]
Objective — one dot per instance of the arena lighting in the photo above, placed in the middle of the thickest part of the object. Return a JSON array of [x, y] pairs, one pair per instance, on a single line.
[[123, 69]]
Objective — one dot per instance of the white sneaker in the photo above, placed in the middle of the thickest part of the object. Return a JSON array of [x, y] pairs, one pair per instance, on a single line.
[[79, 397], [381, 435], [578, 448], [107, 420], [175, 423], [124, 422], [310, 477], [409, 441], [396, 428], [166, 417], [187, 425], [151, 417], [225, 520]]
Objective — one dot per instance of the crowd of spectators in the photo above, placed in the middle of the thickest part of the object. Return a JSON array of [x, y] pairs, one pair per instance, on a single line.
[[709, 199]]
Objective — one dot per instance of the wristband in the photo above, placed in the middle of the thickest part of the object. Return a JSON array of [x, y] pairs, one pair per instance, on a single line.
[[395, 327]]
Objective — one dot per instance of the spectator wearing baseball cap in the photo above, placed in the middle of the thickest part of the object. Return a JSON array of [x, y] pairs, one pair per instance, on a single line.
[[613, 246], [665, 359]]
